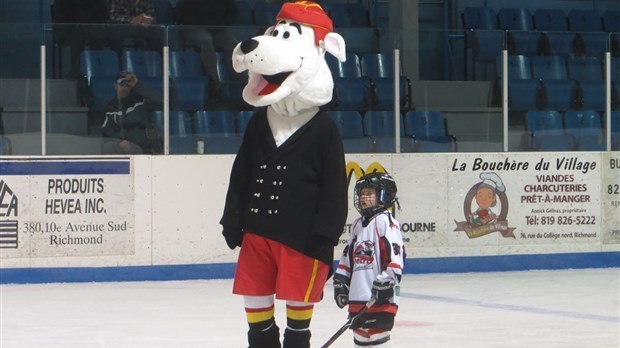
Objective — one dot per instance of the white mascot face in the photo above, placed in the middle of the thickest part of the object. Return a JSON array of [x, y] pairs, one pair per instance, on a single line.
[[286, 67]]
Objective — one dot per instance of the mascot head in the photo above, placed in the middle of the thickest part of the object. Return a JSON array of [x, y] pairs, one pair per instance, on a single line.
[[286, 65]]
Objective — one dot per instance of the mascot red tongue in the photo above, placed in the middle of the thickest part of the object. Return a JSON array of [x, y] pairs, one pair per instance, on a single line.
[[286, 204]]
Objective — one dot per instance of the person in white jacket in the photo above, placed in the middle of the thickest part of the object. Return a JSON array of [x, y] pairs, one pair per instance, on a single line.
[[372, 262]]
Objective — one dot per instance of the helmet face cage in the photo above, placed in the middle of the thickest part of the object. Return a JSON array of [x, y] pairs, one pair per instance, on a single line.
[[385, 188]]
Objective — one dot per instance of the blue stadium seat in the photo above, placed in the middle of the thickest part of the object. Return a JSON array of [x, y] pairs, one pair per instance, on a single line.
[[180, 124], [191, 93], [550, 19], [594, 44], [562, 43], [185, 64], [482, 38], [549, 68], [99, 63], [585, 68], [352, 94], [561, 95], [143, 63], [349, 123], [231, 88], [241, 122], [526, 95], [519, 67], [515, 19], [101, 90], [586, 128], [214, 123], [379, 67], [546, 132], [181, 139], [351, 129], [561, 92], [584, 20], [479, 18], [217, 129], [611, 21], [526, 43], [487, 44], [360, 39], [189, 82], [351, 68], [593, 95], [524, 92], [225, 71], [428, 130], [379, 125]]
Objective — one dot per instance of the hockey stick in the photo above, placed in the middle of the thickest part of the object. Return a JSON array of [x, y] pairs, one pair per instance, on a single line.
[[349, 322]]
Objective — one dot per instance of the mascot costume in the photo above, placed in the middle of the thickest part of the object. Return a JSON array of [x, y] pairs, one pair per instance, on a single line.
[[286, 204]]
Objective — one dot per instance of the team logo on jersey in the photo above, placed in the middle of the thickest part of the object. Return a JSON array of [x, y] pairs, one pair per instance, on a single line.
[[364, 254]]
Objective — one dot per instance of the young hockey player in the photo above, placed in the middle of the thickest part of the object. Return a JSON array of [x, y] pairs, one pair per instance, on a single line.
[[372, 262]]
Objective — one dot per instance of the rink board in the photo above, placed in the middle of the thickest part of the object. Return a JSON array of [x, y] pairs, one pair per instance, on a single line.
[[157, 217]]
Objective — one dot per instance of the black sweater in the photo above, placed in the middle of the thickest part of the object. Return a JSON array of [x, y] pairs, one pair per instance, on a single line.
[[295, 194]]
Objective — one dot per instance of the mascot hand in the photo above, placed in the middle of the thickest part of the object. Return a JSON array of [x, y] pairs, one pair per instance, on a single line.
[[233, 237]]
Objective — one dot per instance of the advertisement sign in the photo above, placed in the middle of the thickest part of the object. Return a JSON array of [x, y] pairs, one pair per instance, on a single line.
[[66, 207], [543, 198], [611, 198]]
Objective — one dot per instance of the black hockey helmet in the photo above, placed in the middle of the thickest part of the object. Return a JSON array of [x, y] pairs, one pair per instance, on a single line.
[[385, 188]]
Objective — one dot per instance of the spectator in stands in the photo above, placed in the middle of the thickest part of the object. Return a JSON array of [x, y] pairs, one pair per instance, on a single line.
[[140, 13], [126, 126], [77, 38], [219, 15]]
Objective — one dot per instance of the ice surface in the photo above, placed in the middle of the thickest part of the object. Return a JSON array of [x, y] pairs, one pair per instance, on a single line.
[[566, 308]]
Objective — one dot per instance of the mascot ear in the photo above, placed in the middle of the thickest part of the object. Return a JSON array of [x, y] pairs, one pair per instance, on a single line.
[[334, 44]]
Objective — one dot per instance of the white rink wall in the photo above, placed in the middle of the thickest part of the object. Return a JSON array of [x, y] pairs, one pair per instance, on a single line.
[[84, 219]]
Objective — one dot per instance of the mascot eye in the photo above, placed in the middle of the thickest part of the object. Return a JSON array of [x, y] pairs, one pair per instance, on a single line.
[[286, 35], [275, 33]]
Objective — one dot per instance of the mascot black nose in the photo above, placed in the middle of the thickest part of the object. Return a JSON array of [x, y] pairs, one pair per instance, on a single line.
[[248, 46]]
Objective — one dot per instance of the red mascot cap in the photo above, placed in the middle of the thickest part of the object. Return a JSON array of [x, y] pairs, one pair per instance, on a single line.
[[309, 13]]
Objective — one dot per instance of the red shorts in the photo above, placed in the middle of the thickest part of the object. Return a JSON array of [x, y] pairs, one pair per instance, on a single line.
[[266, 267]]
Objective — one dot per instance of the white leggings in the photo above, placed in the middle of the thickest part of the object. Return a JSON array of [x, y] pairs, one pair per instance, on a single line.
[[268, 301], [364, 340]]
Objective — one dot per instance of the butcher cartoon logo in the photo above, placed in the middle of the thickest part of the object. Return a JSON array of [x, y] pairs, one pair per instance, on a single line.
[[485, 208], [364, 254]]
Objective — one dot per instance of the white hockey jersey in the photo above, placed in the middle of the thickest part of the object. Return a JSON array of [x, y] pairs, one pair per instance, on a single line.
[[372, 252]]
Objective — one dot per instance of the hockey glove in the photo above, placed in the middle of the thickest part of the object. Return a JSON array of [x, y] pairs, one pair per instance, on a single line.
[[341, 293], [383, 291], [233, 237]]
